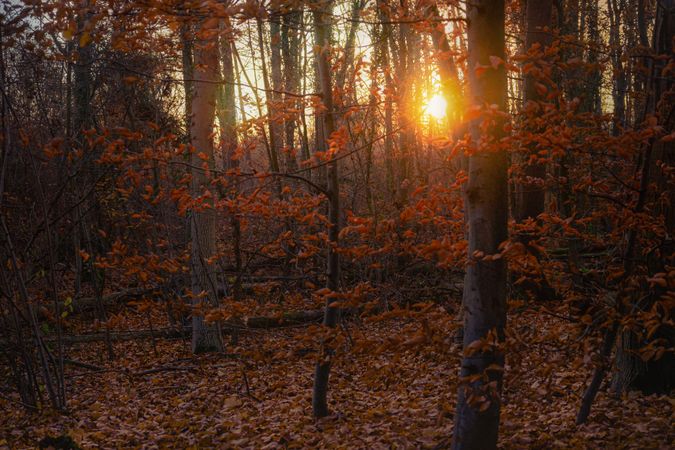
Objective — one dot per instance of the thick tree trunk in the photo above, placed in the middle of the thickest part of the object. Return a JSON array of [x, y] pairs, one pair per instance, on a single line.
[[205, 337], [322, 42], [478, 403]]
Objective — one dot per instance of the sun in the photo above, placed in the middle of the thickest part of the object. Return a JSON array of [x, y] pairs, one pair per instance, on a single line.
[[436, 107]]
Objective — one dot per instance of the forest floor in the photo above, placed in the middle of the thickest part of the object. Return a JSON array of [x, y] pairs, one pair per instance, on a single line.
[[258, 395]]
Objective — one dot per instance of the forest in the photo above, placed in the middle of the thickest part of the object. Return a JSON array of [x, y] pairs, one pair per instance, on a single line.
[[337, 224]]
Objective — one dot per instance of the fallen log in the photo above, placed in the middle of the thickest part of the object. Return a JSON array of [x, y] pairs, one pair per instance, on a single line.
[[285, 319], [81, 364], [117, 298], [116, 336], [89, 303], [290, 318]]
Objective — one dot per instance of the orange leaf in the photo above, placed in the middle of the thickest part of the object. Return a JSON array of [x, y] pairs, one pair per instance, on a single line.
[[495, 61], [84, 255]]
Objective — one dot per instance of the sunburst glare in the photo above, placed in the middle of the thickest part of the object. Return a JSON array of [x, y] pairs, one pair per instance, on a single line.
[[436, 107]]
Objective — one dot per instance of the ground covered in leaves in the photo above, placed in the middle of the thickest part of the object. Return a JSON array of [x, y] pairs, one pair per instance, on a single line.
[[258, 395]]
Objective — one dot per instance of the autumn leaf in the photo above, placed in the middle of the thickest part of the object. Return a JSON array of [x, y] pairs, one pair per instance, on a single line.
[[84, 255], [496, 61]]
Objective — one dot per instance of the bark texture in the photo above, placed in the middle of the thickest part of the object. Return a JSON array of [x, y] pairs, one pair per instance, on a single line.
[[205, 337], [478, 404], [322, 14]]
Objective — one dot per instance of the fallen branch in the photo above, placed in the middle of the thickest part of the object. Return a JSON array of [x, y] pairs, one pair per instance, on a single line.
[[289, 318], [89, 303], [84, 365], [260, 322], [166, 333], [164, 369]]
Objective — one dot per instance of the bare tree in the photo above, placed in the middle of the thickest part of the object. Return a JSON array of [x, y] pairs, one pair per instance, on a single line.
[[322, 13], [478, 404], [205, 337]]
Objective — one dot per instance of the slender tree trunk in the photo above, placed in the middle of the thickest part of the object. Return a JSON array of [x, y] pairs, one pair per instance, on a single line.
[[531, 192], [82, 120], [290, 51], [82, 91], [276, 123], [205, 337], [388, 102], [305, 152], [478, 403], [592, 92], [531, 189], [274, 136], [619, 78], [349, 50], [322, 32], [447, 69], [188, 73], [405, 108], [227, 119]]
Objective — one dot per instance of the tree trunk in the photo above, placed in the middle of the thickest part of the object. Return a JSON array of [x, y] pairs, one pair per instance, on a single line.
[[531, 192], [82, 91], [270, 99], [478, 403], [405, 99], [388, 103], [227, 119], [349, 49], [619, 78], [205, 337], [290, 52], [447, 69], [322, 32], [276, 124], [188, 73]]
